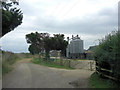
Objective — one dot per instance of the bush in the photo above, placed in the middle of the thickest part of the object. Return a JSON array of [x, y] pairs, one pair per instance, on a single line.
[[109, 51]]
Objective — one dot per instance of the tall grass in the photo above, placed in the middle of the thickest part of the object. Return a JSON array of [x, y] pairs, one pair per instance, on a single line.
[[9, 58]]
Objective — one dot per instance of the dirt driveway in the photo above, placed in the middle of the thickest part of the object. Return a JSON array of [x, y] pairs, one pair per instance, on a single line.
[[29, 75]]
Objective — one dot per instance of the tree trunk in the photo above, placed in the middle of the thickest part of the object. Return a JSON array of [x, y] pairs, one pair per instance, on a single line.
[[61, 61], [47, 56]]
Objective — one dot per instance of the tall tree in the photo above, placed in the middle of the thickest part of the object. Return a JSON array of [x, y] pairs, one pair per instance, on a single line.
[[37, 41], [43, 42], [33, 50], [60, 43], [11, 16]]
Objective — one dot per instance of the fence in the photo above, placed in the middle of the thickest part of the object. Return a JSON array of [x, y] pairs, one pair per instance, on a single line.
[[62, 62], [77, 64], [106, 72]]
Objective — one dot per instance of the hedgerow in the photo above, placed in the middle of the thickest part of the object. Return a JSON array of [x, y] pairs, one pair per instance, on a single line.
[[109, 51]]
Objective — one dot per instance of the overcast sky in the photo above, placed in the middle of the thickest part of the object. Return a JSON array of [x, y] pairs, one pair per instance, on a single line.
[[90, 19]]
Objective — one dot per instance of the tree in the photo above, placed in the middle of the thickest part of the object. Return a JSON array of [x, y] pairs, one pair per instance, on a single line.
[[37, 41], [11, 17], [41, 42], [48, 44], [33, 49], [60, 43]]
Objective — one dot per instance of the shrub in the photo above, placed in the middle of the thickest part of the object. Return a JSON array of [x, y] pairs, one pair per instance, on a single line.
[[109, 51]]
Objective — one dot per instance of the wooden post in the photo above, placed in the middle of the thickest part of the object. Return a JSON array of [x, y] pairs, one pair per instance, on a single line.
[[69, 63], [39, 57], [55, 59], [61, 61], [90, 65]]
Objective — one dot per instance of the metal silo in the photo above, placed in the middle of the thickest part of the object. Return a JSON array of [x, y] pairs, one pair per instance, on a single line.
[[75, 48]]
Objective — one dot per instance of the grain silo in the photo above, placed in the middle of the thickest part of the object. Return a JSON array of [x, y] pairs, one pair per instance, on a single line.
[[75, 48]]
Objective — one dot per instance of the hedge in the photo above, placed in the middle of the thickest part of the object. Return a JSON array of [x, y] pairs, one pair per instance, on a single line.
[[108, 51]]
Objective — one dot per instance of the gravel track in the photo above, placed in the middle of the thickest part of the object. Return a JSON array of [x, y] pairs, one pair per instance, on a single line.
[[29, 75]]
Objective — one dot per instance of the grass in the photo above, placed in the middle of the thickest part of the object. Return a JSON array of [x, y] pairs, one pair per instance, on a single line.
[[51, 64], [6, 68], [9, 58], [79, 59], [96, 82]]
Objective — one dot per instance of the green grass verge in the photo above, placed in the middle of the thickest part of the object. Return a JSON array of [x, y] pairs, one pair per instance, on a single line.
[[6, 68], [96, 82], [50, 64], [7, 65], [9, 58]]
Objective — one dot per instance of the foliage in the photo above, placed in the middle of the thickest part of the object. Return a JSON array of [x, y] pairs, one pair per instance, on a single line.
[[11, 17], [37, 42], [92, 48], [56, 43], [109, 51], [41, 42], [33, 49], [108, 48], [60, 43]]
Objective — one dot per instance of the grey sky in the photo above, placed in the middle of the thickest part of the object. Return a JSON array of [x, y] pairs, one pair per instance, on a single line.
[[90, 19]]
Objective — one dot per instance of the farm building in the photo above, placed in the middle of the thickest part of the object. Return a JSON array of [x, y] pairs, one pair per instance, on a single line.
[[55, 53], [75, 48]]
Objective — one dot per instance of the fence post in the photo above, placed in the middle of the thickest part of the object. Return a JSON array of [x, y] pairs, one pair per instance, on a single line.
[[69, 63], [90, 65], [61, 62]]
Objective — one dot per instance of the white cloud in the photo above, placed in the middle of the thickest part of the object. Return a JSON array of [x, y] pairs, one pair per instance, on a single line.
[[91, 19]]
